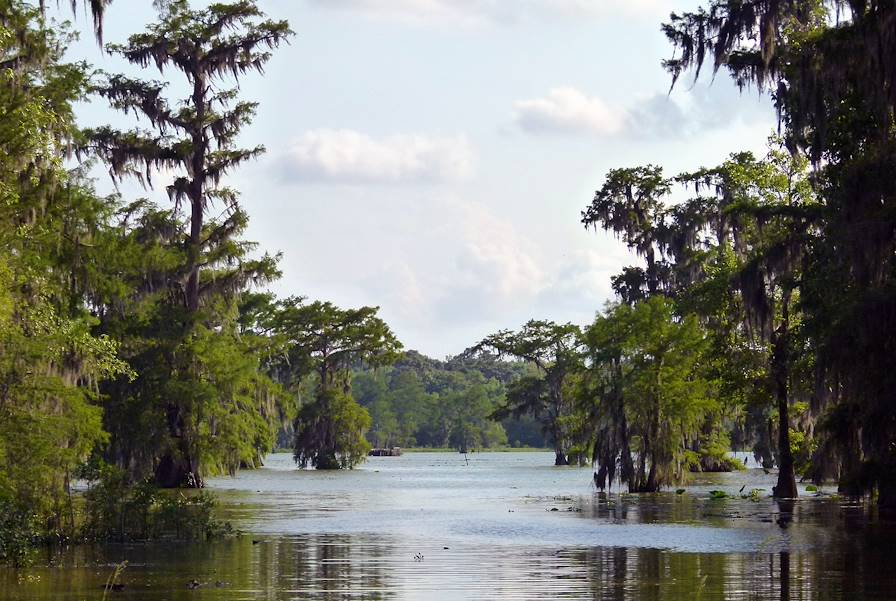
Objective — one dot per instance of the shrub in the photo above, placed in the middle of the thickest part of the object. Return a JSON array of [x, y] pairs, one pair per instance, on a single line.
[[19, 532], [117, 510]]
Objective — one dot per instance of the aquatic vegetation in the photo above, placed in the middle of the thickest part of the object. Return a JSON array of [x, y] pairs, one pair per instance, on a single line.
[[754, 495], [112, 583], [114, 509]]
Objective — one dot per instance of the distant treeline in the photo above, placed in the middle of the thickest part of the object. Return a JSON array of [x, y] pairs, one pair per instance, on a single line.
[[423, 402]]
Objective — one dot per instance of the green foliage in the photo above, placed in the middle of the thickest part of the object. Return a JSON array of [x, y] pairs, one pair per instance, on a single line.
[[321, 344], [629, 205], [732, 256], [827, 63], [50, 357], [547, 395], [199, 382], [713, 451], [115, 509], [202, 402], [20, 530], [755, 495], [468, 412], [330, 432], [428, 403], [803, 448], [648, 393], [112, 340]]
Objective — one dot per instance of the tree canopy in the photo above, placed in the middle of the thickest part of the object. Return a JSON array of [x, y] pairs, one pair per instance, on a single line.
[[555, 351], [827, 65], [325, 342]]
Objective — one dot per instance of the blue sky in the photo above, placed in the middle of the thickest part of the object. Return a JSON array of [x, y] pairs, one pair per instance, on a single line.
[[432, 157]]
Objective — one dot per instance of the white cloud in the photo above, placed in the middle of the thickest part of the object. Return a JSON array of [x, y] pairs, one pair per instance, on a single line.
[[472, 12], [494, 257], [348, 156], [704, 108], [445, 272], [568, 110], [580, 282], [699, 110], [471, 265]]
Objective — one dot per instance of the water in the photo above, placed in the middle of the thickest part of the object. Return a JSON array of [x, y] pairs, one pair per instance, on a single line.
[[496, 526]]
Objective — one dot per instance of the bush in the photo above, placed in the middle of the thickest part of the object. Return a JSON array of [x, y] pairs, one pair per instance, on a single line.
[[803, 448], [19, 532], [117, 510]]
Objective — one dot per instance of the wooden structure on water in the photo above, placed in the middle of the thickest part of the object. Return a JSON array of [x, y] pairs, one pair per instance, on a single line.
[[393, 452]]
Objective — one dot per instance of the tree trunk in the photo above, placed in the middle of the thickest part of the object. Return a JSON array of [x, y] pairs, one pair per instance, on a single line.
[[196, 191], [653, 432], [786, 486], [651, 485], [182, 469], [177, 469], [560, 457], [195, 242], [627, 467], [600, 478], [652, 279], [886, 492], [850, 477], [177, 472]]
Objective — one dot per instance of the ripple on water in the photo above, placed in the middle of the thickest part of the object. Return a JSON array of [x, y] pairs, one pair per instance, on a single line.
[[431, 526]]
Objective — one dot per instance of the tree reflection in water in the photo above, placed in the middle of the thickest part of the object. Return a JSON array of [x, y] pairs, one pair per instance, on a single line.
[[812, 551], [340, 566]]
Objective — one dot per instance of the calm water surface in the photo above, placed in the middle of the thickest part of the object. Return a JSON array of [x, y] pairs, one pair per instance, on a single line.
[[496, 526]]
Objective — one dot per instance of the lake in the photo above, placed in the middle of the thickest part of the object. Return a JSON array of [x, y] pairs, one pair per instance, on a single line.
[[491, 526]]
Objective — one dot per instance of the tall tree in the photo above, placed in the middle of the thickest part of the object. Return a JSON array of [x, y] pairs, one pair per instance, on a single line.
[[747, 229], [650, 396], [50, 360], [555, 350], [629, 204], [828, 65], [194, 138], [324, 342], [768, 208], [197, 134], [202, 398]]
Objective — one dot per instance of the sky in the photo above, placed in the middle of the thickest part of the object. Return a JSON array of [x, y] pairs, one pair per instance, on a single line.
[[433, 157]]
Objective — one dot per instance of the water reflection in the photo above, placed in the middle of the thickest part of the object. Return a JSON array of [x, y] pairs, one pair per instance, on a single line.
[[486, 531], [322, 567]]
